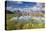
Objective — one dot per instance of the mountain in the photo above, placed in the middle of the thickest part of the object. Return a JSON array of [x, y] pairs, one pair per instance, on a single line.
[[9, 12]]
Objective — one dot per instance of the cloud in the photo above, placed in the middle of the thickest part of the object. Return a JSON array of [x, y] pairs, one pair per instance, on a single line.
[[36, 7], [19, 2], [9, 8]]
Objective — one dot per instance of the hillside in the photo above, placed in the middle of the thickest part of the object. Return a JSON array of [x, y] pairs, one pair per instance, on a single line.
[[9, 12]]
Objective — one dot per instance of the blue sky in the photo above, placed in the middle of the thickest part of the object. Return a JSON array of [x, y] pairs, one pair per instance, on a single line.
[[12, 5], [15, 4]]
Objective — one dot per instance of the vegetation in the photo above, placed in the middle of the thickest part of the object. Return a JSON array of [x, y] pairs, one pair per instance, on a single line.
[[9, 12], [21, 25]]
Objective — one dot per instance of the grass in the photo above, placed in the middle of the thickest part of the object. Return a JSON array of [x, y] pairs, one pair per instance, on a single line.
[[18, 25]]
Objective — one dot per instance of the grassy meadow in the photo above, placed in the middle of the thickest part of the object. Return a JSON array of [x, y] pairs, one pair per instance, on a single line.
[[24, 25]]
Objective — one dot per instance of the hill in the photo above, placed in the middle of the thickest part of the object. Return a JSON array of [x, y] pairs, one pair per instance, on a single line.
[[9, 12]]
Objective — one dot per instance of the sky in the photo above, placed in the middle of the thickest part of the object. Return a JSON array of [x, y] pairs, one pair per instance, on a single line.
[[13, 5], [20, 4]]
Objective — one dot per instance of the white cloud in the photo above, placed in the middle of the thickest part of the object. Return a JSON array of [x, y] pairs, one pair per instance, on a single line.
[[9, 8], [34, 8], [37, 7], [19, 2], [40, 5]]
